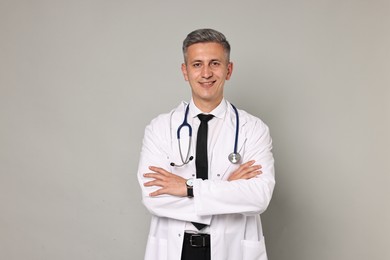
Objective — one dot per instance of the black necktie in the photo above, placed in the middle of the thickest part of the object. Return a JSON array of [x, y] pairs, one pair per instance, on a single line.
[[201, 160]]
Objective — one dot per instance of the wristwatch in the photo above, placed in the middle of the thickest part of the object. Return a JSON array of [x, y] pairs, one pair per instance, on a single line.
[[190, 191]]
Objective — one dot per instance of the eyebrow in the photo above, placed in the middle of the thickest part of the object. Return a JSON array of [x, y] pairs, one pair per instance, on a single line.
[[212, 60]]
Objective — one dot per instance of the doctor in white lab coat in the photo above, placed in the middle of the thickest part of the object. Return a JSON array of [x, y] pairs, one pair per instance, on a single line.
[[231, 200]]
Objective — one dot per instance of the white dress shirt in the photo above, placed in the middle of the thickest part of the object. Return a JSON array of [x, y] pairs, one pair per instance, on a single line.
[[214, 127]]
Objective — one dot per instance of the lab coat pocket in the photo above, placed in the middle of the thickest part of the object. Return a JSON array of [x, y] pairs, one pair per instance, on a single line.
[[156, 249], [253, 250]]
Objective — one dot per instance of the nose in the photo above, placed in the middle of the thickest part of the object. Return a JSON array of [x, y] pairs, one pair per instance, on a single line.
[[207, 72]]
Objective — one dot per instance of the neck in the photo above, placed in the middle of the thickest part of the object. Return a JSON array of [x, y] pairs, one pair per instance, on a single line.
[[205, 106]]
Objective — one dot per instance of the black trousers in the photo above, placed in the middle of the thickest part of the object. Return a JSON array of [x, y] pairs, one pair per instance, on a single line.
[[196, 247]]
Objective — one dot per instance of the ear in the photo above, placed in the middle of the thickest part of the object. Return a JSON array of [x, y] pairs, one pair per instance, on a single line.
[[184, 71], [230, 70]]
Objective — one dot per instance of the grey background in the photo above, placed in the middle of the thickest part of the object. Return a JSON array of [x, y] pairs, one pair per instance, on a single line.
[[79, 80]]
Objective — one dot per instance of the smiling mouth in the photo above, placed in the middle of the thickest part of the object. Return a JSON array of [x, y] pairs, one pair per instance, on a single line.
[[207, 84]]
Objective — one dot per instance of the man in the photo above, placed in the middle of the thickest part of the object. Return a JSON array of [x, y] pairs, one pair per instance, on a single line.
[[204, 206]]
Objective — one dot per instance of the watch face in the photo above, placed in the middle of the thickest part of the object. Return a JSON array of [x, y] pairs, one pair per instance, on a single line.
[[190, 182]]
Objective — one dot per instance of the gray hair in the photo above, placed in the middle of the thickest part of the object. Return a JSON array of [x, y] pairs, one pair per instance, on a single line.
[[206, 35]]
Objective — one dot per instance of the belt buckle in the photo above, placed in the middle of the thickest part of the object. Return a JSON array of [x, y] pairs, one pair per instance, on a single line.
[[196, 245]]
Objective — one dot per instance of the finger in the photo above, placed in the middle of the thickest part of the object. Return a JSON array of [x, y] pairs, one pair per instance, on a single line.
[[153, 183], [248, 169], [156, 176], [156, 193], [247, 164], [256, 173], [251, 175], [243, 167], [149, 183], [251, 171], [257, 166], [254, 168], [158, 170]]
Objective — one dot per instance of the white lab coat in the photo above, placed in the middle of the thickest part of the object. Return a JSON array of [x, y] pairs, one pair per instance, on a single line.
[[232, 209]]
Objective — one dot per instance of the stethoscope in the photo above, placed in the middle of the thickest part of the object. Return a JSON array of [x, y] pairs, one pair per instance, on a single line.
[[234, 157]]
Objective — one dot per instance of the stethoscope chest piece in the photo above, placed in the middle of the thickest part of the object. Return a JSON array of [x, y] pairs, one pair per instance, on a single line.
[[234, 158]]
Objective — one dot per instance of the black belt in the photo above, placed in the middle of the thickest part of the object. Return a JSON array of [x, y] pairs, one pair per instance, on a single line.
[[197, 240]]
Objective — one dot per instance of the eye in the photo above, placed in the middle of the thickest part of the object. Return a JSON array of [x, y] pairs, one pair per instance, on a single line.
[[197, 65], [215, 64]]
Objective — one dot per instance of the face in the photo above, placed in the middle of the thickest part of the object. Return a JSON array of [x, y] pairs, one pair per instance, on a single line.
[[206, 69]]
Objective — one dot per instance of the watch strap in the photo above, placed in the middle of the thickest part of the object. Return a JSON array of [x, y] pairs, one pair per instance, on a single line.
[[190, 191]]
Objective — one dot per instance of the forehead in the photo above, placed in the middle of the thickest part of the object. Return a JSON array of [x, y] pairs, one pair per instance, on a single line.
[[206, 51]]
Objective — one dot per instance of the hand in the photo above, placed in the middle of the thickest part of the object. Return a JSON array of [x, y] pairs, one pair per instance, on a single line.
[[170, 183], [246, 171]]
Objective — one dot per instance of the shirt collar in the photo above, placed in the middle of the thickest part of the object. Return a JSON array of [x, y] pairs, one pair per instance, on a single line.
[[218, 112]]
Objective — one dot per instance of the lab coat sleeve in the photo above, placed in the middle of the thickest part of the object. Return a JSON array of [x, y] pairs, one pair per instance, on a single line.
[[248, 197], [155, 152]]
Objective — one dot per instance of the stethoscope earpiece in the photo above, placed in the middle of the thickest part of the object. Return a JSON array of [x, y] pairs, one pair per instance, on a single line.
[[180, 165]]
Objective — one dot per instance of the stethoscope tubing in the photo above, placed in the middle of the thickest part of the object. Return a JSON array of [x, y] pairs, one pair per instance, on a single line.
[[184, 124], [237, 129], [188, 158]]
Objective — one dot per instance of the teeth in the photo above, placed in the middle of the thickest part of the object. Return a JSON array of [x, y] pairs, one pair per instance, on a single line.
[[207, 84]]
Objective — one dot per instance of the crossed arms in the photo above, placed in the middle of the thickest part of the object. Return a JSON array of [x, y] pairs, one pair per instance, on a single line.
[[247, 190]]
